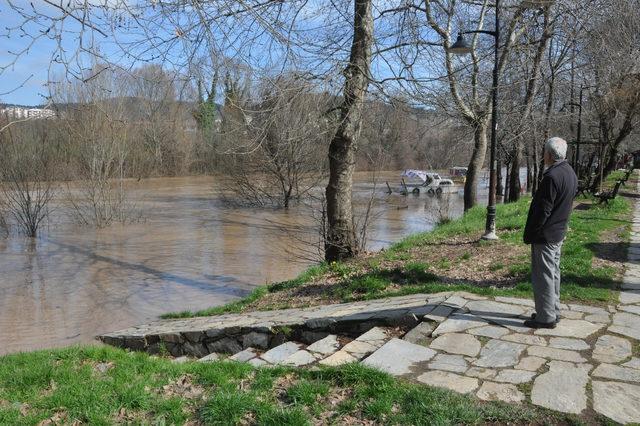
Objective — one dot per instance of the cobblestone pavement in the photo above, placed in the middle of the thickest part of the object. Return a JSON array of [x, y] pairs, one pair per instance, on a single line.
[[459, 341]]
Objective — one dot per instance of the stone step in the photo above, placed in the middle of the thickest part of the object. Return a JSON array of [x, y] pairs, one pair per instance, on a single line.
[[231, 333]]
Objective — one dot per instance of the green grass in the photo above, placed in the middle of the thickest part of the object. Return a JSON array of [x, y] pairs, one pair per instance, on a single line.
[[582, 281], [64, 382]]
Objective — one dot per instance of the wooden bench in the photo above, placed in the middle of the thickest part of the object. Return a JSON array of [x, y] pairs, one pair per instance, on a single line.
[[583, 187], [626, 177], [606, 196]]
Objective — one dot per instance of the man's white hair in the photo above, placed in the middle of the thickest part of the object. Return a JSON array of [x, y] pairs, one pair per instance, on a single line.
[[556, 147]]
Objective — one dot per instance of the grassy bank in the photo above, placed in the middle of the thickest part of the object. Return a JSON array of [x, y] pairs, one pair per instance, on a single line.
[[452, 257], [103, 386]]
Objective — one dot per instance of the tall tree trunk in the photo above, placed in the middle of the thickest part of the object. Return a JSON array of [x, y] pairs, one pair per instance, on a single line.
[[499, 186], [475, 164], [535, 160], [507, 189], [529, 168], [515, 185], [341, 242]]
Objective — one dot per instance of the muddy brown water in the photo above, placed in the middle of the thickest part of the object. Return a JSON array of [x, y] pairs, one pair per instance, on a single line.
[[190, 251]]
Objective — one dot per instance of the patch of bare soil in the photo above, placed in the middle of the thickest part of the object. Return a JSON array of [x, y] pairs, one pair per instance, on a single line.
[[330, 403], [100, 368], [128, 416], [467, 259], [59, 418], [463, 259], [282, 384], [183, 387]]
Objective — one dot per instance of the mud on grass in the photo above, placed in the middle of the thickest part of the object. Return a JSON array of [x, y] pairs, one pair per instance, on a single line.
[[142, 389]]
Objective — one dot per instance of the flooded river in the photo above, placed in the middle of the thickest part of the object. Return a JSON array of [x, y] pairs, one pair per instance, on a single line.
[[190, 251]]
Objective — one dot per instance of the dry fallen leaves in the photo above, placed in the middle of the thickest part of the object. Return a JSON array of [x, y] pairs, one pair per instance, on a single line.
[[59, 418], [184, 387], [103, 367], [283, 383]]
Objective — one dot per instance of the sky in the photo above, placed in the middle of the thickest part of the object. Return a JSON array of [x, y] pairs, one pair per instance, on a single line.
[[24, 81]]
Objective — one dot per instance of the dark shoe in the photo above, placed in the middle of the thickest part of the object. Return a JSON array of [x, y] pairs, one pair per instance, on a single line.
[[535, 324], [533, 316]]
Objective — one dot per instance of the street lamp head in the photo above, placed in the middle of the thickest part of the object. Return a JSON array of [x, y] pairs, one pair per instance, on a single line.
[[536, 4], [460, 47]]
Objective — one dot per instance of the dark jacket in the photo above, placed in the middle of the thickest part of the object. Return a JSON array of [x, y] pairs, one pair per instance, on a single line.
[[551, 206]]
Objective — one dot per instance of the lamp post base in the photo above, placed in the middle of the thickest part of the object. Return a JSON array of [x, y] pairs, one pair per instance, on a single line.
[[491, 236]]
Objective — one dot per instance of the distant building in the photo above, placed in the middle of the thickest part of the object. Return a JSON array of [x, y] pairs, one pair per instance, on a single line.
[[14, 112]]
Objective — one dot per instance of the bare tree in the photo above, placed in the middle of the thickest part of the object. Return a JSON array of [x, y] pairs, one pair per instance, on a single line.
[[26, 183], [98, 124], [471, 99], [276, 156]]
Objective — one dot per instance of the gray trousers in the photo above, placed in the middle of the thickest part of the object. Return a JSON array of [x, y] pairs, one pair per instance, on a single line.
[[545, 277]]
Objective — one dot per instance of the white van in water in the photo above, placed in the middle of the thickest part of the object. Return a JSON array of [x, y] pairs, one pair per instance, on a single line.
[[432, 183]]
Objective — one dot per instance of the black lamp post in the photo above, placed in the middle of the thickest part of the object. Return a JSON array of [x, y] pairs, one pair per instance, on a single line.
[[460, 47]]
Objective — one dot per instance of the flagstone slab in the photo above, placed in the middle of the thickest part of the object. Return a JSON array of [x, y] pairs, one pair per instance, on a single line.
[[625, 319], [458, 322], [456, 343], [359, 349], [210, 358], [587, 309], [280, 353], [516, 301], [611, 349], [258, 362], [490, 391], [491, 308], [531, 363], [568, 343], [616, 372], [374, 336], [499, 353], [601, 318], [564, 313], [580, 329], [526, 339], [300, 358], [632, 309], [338, 358], [439, 314], [455, 301], [557, 354], [634, 333], [481, 373], [398, 357], [632, 285], [492, 331], [562, 388], [446, 362], [629, 297], [514, 376], [244, 355], [470, 296], [447, 380], [617, 401], [326, 346], [420, 334], [633, 363]]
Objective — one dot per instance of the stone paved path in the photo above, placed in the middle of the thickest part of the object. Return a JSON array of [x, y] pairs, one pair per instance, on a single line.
[[458, 341]]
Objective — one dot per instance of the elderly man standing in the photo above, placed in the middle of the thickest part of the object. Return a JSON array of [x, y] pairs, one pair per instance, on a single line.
[[545, 231]]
